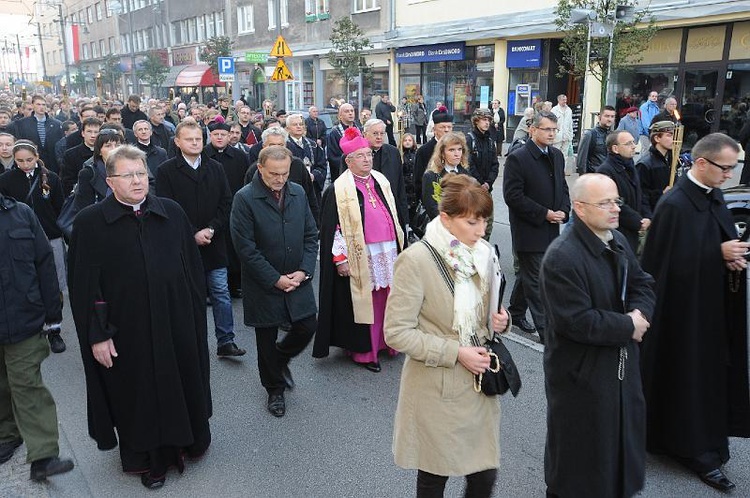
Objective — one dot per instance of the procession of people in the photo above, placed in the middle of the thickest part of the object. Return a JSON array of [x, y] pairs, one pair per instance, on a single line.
[[141, 226]]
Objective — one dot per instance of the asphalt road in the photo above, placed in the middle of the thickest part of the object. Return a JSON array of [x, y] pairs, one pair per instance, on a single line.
[[335, 440]]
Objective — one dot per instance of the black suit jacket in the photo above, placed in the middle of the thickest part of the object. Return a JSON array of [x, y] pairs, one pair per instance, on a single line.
[[204, 195], [534, 183], [73, 160], [388, 161], [26, 128]]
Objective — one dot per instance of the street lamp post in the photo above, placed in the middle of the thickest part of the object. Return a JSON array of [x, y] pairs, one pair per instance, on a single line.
[[65, 44]]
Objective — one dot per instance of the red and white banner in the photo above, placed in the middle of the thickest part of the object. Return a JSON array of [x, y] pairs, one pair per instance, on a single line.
[[74, 44]]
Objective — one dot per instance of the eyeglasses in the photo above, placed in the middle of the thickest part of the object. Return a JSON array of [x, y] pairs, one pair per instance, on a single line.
[[725, 169], [362, 155], [548, 130], [628, 144], [142, 175], [377, 133], [606, 204]]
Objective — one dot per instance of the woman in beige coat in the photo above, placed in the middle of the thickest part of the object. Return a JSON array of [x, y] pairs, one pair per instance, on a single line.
[[443, 427]]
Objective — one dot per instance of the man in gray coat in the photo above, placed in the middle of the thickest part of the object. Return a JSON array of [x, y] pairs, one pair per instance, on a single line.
[[598, 303], [276, 239]]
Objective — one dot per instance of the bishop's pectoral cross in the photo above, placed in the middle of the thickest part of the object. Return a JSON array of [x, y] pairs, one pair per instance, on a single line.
[[370, 197]]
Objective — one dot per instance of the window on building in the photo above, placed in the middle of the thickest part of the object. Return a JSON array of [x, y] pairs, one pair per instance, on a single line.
[[272, 14], [363, 5], [94, 50], [316, 7], [245, 19], [90, 15], [98, 8], [211, 27], [107, 8], [112, 46], [85, 50], [102, 47], [220, 23], [201, 28], [149, 38], [183, 32]]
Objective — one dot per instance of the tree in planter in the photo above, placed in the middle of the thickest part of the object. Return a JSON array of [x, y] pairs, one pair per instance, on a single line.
[[630, 38], [79, 77], [215, 47], [111, 71], [346, 56], [153, 71]]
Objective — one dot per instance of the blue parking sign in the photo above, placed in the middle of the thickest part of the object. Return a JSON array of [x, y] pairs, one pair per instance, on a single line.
[[226, 68]]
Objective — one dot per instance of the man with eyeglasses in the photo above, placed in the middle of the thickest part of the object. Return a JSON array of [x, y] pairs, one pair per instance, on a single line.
[[139, 302], [592, 151], [199, 184], [598, 302], [695, 368], [387, 160], [535, 190], [620, 167]]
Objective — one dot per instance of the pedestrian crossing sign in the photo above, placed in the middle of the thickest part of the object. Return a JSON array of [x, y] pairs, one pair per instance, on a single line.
[[281, 73]]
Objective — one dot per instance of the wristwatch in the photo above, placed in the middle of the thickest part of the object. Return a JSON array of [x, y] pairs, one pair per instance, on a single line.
[[210, 229]]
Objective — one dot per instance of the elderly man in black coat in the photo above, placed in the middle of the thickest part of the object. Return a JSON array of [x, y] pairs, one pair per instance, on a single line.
[[307, 151], [598, 302], [42, 129], [138, 296], [200, 186], [695, 370], [538, 202], [276, 239], [387, 160], [620, 167]]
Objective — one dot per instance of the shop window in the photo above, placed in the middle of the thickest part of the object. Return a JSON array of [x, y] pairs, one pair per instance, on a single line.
[[245, 23], [364, 5], [734, 108]]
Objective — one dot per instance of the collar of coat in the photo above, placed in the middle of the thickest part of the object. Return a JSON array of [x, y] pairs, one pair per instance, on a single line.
[[697, 194], [594, 244], [260, 190], [113, 210]]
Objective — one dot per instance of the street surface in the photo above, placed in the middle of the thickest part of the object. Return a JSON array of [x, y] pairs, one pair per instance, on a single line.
[[335, 440]]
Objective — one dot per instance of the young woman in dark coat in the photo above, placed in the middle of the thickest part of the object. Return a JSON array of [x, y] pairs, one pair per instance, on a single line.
[[451, 156]]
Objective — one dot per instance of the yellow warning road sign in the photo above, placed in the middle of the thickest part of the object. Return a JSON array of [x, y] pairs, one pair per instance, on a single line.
[[281, 73], [280, 48]]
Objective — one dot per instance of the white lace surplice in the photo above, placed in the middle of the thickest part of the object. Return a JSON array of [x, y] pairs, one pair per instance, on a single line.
[[380, 258]]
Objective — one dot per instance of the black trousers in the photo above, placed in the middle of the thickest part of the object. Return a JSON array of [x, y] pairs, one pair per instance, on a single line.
[[274, 356], [421, 134], [518, 305], [529, 264], [478, 485], [389, 132], [706, 462]]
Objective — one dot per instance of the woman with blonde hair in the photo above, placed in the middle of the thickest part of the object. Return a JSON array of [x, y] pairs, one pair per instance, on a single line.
[[438, 309], [451, 156]]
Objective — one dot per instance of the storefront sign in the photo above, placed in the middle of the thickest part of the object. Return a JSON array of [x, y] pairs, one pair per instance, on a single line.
[[705, 44], [183, 56], [663, 49], [740, 41], [524, 53], [256, 57], [431, 53]]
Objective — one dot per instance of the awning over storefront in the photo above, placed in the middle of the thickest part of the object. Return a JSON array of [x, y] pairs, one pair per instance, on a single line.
[[171, 78], [197, 75]]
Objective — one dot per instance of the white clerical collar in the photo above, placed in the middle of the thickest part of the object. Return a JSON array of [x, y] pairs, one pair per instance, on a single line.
[[146, 144], [695, 180], [193, 164]]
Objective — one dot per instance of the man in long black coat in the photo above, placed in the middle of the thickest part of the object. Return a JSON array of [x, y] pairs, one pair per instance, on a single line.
[[138, 298], [28, 128], [695, 370], [200, 187], [333, 150], [235, 164], [443, 123], [535, 190], [598, 302], [75, 156], [277, 242], [620, 167]]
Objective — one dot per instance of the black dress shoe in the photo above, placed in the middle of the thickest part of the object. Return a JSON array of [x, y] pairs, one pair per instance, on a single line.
[[46, 467], [152, 482], [717, 479], [523, 324], [372, 366], [276, 405], [229, 349], [56, 343], [8, 449], [287, 375], [235, 293]]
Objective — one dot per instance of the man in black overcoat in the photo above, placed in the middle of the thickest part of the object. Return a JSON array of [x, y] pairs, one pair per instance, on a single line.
[[535, 190], [29, 128], [695, 370], [384, 111], [138, 296], [620, 167], [443, 123], [598, 302], [307, 151], [75, 156], [200, 187], [235, 164], [387, 160], [333, 150], [276, 239]]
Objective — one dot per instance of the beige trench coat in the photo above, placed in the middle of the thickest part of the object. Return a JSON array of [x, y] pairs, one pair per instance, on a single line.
[[442, 425]]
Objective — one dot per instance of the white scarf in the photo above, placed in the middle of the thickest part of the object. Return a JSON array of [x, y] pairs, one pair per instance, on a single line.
[[468, 298]]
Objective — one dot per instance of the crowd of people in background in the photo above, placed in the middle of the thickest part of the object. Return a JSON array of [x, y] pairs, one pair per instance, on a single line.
[[199, 204]]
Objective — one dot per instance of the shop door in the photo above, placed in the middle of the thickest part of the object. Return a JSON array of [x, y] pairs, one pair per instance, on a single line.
[[698, 109]]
